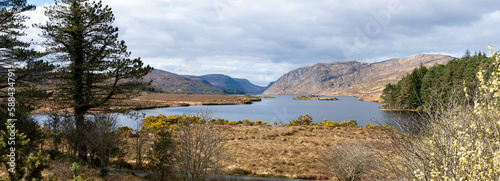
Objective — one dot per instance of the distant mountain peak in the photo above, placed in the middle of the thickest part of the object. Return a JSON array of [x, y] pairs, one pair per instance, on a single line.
[[350, 78], [227, 82], [185, 84]]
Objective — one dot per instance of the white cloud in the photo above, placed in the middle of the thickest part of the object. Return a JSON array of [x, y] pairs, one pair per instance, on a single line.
[[261, 40]]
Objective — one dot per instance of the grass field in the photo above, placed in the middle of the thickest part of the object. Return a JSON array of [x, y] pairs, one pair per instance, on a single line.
[[263, 151], [157, 100]]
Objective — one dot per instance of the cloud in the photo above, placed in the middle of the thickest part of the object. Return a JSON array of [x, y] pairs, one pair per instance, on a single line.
[[261, 40]]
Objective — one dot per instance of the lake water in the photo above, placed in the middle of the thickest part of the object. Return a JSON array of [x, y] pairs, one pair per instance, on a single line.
[[280, 109]]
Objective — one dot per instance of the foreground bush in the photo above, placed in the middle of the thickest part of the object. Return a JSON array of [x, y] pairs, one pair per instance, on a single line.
[[458, 141], [12, 145], [348, 161], [199, 148], [162, 121], [160, 155], [301, 120]]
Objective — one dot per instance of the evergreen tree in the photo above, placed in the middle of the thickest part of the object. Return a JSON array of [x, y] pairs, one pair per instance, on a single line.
[[12, 50], [389, 95], [436, 85], [14, 53], [19, 69], [95, 65]]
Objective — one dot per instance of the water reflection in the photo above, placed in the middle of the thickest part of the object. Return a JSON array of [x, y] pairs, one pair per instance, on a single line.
[[281, 109]]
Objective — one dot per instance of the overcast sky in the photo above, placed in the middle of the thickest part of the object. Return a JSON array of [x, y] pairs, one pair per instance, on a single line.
[[262, 39]]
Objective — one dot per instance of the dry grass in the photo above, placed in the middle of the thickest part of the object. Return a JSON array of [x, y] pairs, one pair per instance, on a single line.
[[157, 100], [60, 170], [287, 151], [255, 150]]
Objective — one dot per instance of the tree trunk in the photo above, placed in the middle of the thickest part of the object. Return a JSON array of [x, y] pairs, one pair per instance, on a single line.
[[80, 129], [138, 161], [78, 89]]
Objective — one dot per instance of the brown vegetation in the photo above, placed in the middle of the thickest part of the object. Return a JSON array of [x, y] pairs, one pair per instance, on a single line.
[[291, 151], [260, 150], [158, 100]]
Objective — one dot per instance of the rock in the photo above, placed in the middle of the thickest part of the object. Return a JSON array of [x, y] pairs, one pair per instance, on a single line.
[[350, 78]]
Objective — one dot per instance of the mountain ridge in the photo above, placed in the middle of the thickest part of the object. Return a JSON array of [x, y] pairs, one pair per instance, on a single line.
[[186, 84], [227, 82], [165, 81], [350, 77]]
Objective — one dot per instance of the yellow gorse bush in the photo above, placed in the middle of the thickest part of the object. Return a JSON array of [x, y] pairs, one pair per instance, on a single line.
[[162, 121]]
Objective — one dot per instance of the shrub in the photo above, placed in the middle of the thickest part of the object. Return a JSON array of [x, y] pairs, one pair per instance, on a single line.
[[161, 121], [103, 172], [53, 153], [101, 138], [331, 124], [75, 169], [301, 120], [456, 141], [248, 122], [30, 169], [240, 171], [124, 131], [369, 126], [309, 128], [199, 148], [246, 101], [218, 121], [160, 155], [352, 123], [348, 161]]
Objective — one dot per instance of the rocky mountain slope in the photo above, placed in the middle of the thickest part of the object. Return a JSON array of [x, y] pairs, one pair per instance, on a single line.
[[173, 83], [226, 82], [350, 78]]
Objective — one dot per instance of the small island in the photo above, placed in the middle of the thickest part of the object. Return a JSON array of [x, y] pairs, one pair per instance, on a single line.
[[266, 97], [315, 98]]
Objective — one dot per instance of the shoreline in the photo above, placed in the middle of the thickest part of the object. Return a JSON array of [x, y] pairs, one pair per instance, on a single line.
[[165, 100], [162, 100], [399, 110]]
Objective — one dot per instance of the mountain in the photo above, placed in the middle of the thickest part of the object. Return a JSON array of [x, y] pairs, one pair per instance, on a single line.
[[173, 83], [350, 78], [226, 82], [270, 84]]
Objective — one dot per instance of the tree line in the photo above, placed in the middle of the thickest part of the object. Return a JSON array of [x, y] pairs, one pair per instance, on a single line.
[[425, 87]]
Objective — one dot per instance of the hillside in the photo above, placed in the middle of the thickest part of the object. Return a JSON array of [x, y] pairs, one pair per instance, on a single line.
[[173, 83], [350, 78], [427, 85], [226, 82]]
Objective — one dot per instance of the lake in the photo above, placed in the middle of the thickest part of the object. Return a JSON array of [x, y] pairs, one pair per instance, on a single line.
[[280, 109]]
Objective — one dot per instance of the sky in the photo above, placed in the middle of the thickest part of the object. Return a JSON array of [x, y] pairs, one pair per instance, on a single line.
[[261, 40]]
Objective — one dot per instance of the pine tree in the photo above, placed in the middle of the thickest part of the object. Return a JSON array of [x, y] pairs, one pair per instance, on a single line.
[[12, 50], [20, 68], [437, 85], [14, 53], [95, 65]]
